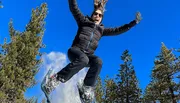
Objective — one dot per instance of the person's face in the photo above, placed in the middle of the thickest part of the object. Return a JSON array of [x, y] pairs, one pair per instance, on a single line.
[[97, 16]]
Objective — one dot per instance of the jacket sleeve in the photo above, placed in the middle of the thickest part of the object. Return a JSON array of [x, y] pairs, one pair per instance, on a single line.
[[118, 30], [79, 17]]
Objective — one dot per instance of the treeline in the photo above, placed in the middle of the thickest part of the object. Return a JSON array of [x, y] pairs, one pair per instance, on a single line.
[[164, 86], [20, 60]]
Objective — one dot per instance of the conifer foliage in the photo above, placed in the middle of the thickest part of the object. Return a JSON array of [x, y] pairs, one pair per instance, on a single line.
[[128, 85], [163, 87], [122, 89], [20, 58]]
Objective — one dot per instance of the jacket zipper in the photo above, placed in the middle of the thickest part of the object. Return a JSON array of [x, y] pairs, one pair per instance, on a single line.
[[92, 34]]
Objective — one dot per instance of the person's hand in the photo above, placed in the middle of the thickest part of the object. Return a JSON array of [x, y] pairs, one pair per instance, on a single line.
[[138, 17]]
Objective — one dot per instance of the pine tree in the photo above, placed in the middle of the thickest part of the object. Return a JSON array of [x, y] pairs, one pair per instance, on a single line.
[[110, 91], [151, 94], [20, 58], [128, 90], [99, 91], [178, 72], [162, 83]]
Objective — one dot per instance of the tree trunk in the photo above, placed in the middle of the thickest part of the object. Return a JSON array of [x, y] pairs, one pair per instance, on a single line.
[[172, 95]]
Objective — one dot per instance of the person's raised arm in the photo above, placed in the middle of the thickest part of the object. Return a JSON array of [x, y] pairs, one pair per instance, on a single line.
[[122, 29], [79, 17]]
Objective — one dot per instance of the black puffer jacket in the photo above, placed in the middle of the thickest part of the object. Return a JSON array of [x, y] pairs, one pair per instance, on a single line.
[[89, 33]]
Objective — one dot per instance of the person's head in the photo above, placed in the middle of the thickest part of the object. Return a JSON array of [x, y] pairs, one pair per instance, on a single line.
[[99, 8], [97, 16]]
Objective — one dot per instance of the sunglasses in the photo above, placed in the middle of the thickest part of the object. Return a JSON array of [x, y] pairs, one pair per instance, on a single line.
[[100, 15]]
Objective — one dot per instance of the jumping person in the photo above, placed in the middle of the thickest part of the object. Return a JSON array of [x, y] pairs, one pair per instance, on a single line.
[[81, 53]]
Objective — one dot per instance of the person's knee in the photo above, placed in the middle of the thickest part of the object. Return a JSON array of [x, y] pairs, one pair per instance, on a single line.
[[84, 60], [99, 61]]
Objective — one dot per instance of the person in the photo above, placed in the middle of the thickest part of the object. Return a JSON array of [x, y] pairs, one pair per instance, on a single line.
[[81, 53]]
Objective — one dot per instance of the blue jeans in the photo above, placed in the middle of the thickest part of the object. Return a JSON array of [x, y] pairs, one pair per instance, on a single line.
[[79, 60]]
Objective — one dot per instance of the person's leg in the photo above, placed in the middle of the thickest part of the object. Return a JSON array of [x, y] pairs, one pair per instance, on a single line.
[[86, 89], [78, 61], [95, 64]]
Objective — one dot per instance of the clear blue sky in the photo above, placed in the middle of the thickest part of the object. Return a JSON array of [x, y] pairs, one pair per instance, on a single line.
[[160, 24]]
